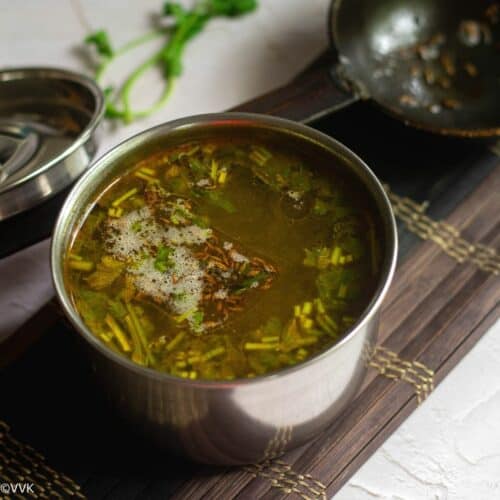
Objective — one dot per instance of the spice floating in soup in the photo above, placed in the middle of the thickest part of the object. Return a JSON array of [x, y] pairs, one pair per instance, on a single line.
[[219, 260]]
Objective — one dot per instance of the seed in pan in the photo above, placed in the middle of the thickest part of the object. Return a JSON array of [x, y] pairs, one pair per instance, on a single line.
[[444, 82], [429, 75], [448, 64], [408, 100], [470, 69], [450, 103], [415, 70]]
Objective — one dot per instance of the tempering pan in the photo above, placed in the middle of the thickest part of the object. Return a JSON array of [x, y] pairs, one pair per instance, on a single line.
[[434, 64]]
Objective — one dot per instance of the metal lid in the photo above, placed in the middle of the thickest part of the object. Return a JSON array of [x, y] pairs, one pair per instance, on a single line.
[[48, 119]]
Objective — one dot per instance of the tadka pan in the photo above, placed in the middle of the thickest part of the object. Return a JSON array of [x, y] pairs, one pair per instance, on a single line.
[[434, 64]]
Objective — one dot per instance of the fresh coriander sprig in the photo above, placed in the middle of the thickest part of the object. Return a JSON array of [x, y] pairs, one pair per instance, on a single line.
[[187, 24]]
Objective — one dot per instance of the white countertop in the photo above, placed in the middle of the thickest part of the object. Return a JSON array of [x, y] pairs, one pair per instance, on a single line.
[[449, 448]]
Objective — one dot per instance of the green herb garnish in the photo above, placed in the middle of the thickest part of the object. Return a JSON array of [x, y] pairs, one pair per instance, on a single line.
[[321, 207], [197, 319], [106, 273], [117, 309], [187, 24], [136, 226], [250, 282], [217, 199], [163, 261], [100, 40]]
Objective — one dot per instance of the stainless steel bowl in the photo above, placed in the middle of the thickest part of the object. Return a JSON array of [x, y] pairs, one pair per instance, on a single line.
[[242, 421], [48, 121]]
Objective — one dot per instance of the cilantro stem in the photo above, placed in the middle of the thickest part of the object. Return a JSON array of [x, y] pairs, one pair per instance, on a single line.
[[132, 44], [188, 23], [128, 114]]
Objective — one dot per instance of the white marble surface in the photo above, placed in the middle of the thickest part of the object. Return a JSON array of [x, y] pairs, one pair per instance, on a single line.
[[450, 447]]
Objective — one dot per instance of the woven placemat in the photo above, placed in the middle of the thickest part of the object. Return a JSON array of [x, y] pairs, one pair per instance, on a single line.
[[445, 295]]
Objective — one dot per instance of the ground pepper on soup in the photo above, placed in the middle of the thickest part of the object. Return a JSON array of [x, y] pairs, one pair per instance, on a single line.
[[219, 260]]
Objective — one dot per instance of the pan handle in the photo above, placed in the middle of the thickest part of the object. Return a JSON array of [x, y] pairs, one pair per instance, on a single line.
[[313, 94]]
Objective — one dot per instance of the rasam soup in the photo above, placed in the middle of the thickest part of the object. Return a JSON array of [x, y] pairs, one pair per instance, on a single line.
[[223, 259]]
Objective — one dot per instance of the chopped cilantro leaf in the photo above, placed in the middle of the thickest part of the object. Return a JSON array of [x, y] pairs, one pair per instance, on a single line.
[[163, 261], [197, 318]]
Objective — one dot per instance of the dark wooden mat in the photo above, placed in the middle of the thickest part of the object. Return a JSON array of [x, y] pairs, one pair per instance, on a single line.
[[444, 297]]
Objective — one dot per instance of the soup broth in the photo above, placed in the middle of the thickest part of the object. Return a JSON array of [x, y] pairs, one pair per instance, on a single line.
[[224, 259]]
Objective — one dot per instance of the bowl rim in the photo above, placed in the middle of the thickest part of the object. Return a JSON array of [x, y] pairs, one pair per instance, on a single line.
[[305, 132]]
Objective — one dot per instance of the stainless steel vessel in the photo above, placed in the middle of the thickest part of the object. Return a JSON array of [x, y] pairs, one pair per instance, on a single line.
[[48, 121], [242, 421]]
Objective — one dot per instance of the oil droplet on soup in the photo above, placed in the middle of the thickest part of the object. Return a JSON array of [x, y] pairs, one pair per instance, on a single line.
[[217, 260]]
